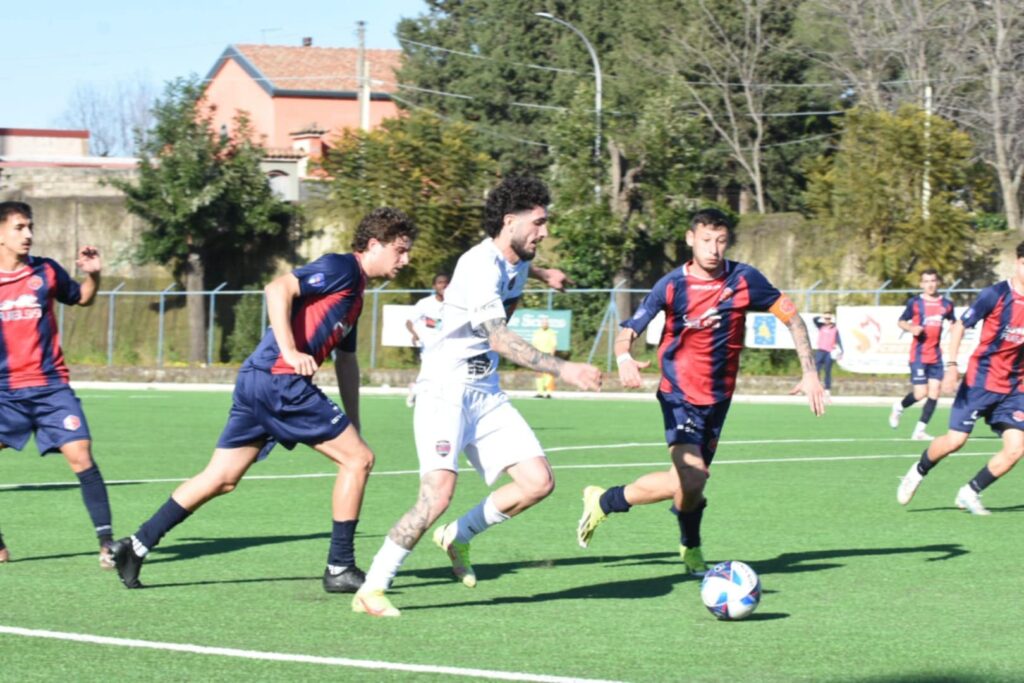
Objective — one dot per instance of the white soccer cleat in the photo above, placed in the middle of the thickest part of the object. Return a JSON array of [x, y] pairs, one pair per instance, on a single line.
[[908, 485], [970, 500], [921, 435], [894, 416]]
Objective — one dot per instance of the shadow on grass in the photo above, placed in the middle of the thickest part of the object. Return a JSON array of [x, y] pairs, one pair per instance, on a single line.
[[652, 587], [33, 488]]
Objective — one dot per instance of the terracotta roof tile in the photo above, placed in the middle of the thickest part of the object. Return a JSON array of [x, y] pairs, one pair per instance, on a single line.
[[328, 69]]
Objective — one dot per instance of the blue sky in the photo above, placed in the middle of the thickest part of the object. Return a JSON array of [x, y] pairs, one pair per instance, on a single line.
[[53, 47]]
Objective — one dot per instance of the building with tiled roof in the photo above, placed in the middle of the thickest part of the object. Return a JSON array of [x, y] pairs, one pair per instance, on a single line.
[[298, 98]]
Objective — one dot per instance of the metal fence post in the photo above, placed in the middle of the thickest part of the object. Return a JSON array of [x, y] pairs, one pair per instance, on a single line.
[[807, 295], [373, 329], [211, 319], [160, 325], [60, 319], [263, 313], [110, 325], [878, 292], [551, 298]]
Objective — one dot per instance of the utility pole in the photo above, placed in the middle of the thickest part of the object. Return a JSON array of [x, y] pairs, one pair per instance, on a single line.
[[926, 183], [363, 78]]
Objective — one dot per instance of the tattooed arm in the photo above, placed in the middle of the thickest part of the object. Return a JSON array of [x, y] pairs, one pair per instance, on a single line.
[[809, 384], [511, 346]]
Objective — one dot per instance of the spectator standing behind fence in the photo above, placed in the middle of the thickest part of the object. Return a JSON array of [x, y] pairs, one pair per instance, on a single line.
[[34, 392], [425, 324], [830, 348], [545, 339]]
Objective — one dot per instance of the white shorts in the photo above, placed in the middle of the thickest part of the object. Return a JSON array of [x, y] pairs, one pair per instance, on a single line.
[[483, 424]]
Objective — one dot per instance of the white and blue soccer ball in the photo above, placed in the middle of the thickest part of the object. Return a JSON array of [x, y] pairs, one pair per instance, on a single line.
[[731, 590]]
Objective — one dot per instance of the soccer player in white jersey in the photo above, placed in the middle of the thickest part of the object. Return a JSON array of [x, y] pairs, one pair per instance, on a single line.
[[459, 405]]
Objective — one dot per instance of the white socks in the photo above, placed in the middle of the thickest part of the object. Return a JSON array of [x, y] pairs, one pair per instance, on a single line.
[[386, 564], [483, 516]]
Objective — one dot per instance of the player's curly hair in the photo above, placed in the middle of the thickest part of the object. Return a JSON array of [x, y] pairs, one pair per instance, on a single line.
[[512, 195], [14, 208], [385, 225]]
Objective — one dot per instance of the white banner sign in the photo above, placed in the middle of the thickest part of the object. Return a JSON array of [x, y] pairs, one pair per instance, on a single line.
[[873, 343]]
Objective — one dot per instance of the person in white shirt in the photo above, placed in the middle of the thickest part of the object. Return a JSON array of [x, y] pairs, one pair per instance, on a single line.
[[424, 324], [460, 406]]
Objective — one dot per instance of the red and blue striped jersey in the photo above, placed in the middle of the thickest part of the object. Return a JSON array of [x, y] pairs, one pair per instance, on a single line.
[[705, 321], [30, 353], [324, 315], [929, 314], [996, 364]]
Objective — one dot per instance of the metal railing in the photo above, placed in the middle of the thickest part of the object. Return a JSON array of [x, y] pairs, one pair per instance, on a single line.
[[151, 327]]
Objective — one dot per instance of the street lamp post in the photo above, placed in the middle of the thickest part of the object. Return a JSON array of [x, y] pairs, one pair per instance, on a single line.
[[597, 94]]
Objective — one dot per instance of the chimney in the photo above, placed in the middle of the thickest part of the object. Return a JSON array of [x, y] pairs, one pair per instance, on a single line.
[[307, 42]]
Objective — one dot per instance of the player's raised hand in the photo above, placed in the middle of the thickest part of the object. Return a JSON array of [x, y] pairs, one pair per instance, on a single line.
[[629, 372], [810, 385], [303, 363], [582, 376], [89, 260]]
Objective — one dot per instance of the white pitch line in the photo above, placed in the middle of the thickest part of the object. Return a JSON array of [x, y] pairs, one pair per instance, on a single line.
[[585, 466], [285, 657], [746, 442]]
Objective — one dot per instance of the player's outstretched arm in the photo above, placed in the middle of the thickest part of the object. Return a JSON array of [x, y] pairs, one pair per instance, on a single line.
[[346, 369], [552, 277], [281, 292], [809, 383], [511, 346], [89, 262]]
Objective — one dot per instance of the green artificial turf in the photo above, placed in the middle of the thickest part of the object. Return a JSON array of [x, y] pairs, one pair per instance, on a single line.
[[856, 588]]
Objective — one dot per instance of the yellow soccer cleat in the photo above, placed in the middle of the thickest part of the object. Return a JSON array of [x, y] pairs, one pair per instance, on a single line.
[[374, 603], [592, 515], [693, 558], [458, 553]]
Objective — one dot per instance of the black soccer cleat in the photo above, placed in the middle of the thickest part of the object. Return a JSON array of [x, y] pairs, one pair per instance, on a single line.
[[127, 563], [348, 581]]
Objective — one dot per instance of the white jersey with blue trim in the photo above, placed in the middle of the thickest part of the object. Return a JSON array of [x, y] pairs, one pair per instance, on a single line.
[[485, 286]]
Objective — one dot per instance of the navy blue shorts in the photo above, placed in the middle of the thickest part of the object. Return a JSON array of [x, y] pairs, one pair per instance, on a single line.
[[54, 413], [1001, 411], [284, 409], [920, 373], [697, 425]]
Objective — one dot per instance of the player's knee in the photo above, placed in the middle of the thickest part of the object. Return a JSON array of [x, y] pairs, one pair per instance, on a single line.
[[362, 459], [538, 488]]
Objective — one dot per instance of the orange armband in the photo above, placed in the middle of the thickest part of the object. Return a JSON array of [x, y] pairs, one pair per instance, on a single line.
[[784, 309]]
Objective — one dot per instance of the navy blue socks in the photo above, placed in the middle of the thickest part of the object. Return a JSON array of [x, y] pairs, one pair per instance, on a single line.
[[170, 515], [94, 494], [342, 552], [614, 500], [689, 525]]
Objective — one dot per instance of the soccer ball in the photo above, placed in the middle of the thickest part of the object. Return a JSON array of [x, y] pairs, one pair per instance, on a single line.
[[731, 590]]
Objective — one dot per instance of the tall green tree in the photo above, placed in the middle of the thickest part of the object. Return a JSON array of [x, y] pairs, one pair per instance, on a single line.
[[870, 197], [203, 196], [430, 168]]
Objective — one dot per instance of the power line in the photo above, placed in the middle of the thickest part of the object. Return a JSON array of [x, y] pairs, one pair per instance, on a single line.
[[481, 128]]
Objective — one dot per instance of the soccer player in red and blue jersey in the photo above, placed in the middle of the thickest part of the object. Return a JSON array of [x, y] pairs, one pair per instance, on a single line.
[[705, 304], [923, 318], [313, 311], [34, 392], [991, 389]]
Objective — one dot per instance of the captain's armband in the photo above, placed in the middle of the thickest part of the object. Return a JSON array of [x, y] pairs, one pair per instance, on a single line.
[[784, 309]]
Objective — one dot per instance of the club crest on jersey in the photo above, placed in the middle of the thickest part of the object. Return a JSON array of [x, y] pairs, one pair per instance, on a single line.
[[1018, 416], [35, 282], [316, 280], [71, 423], [443, 448]]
